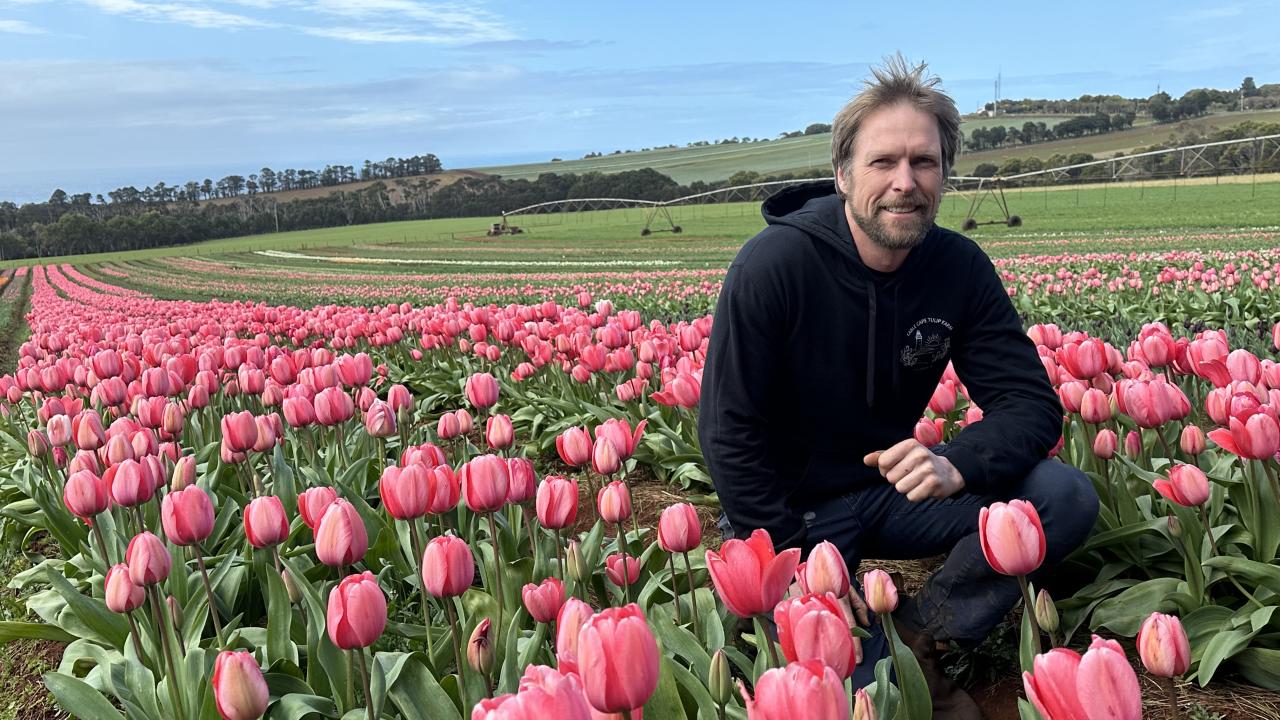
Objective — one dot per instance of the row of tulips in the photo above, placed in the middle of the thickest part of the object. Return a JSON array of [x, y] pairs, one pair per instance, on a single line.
[[357, 459]]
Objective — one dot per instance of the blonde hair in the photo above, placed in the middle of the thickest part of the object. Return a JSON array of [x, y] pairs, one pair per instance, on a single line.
[[895, 82]]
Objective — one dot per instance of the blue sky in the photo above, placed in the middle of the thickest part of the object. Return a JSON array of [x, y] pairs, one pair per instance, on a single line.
[[95, 94]]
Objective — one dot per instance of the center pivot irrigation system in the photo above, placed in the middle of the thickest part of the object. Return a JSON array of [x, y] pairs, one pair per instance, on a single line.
[[1192, 160]]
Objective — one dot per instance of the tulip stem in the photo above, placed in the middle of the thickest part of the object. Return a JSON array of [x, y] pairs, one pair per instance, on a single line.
[[533, 541], [364, 675], [1171, 686], [457, 648], [675, 596], [162, 627], [1208, 529], [626, 575], [1029, 609], [102, 544], [420, 550], [693, 593], [762, 636], [213, 604], [497, 561], [137, 643], [351, 683]]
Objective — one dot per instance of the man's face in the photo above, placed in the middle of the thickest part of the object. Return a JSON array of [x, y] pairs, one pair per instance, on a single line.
[[894, 184]]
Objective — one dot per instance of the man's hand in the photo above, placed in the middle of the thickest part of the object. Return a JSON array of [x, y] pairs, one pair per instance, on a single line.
[[916, 472]]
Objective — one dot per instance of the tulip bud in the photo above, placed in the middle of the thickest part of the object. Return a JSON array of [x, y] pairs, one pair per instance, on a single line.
[[614, 502], [880, 592], [187, 516], [826, 570], [148, 559], [265, 523], [679, 530], [341, 538], [175, 610], [480, 648], [239, 690], [1163, 646], [380, 420], [184, 473], [1046, 612], [1104, 444], [864, 708], [482, 390], [357, 611], [1175, 526], [465, 422], [37, 444], [291, 586], [1192, 440], [498, 432], [720, 678], [578, 569], [604, 457], [122, 594], [447, 566]]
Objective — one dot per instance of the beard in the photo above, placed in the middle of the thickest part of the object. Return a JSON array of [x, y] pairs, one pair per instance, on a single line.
[[896, 235]]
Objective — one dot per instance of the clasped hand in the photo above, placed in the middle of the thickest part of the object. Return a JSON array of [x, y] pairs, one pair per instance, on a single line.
[[915, 471]]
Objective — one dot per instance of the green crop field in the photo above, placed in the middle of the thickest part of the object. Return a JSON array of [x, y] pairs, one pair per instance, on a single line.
[[718, 162], [712, 232]]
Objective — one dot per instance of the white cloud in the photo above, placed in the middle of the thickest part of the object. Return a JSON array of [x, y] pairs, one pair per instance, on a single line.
[[179, 13], [20, 27]]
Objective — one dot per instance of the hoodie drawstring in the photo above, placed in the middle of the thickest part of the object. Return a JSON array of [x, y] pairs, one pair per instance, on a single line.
[[871, 344]]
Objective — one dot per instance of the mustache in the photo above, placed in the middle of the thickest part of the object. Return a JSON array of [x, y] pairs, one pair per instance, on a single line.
[[917, 200]]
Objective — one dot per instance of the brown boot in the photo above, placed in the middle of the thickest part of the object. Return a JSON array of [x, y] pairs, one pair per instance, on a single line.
[[950, 701]]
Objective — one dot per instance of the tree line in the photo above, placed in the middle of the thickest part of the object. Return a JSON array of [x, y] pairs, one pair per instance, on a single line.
[[1227, 159], [74, 227], [1038, 131], [265, 180]]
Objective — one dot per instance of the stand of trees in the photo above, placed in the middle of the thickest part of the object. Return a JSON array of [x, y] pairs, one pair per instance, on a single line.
[[1228, 159], [1034, 132], [75, 225]]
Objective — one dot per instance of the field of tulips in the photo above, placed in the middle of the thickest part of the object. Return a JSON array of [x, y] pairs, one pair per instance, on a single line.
[[421, 493]]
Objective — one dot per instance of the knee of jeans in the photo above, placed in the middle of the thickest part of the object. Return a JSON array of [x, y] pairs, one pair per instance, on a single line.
[[1065, 498]]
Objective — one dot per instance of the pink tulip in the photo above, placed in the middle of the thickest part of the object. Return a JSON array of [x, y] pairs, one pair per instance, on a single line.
[[1106, 684], [622, 570], [86, 429], [1163, 646], [357, 612], [614, 502], [239, 432], [678, 528], [446, 490], [574, 447], [881, 594], [544, 693], [604, 458], [265, 523], [557, 502], [1191, 440], [333, 407], [1252, 435], [482, 391], [1052, 685], [864, 707], [1095, 406], [406, 493], [826, 571], [748, 576], [298, 411], [313, 503], [127, 483], [341, 538], [573, 614], [543, 600], [380, 420], [485, 482], [813, 627], [400, 399], [122, 594], [1186, 485], [148, 559], [85, 495], [447, 566], [498, 432], [239, 689], [187, 516], [59, 430], [619, 432], [808, 689], [184, 473], [1012, 537], [618, 659], [447, 427]]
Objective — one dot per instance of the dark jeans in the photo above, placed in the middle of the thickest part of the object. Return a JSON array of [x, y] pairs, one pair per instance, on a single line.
[[965, 599]]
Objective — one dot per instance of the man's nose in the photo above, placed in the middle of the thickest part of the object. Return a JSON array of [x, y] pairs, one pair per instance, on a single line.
[[904, 178]]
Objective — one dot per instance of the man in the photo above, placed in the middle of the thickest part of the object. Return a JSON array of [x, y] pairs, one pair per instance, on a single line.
[[832, 330]]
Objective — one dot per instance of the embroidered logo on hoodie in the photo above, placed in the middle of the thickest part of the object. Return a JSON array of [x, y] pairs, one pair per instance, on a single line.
[[928, 342]]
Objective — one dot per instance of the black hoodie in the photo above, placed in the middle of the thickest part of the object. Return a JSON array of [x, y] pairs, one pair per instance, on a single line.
[[816, 360]]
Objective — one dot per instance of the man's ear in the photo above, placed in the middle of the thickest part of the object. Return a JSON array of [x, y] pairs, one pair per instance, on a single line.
[[842, 182]]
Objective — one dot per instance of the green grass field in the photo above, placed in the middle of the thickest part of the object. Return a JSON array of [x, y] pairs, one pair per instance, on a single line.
[[718, 162], [713, 232]]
